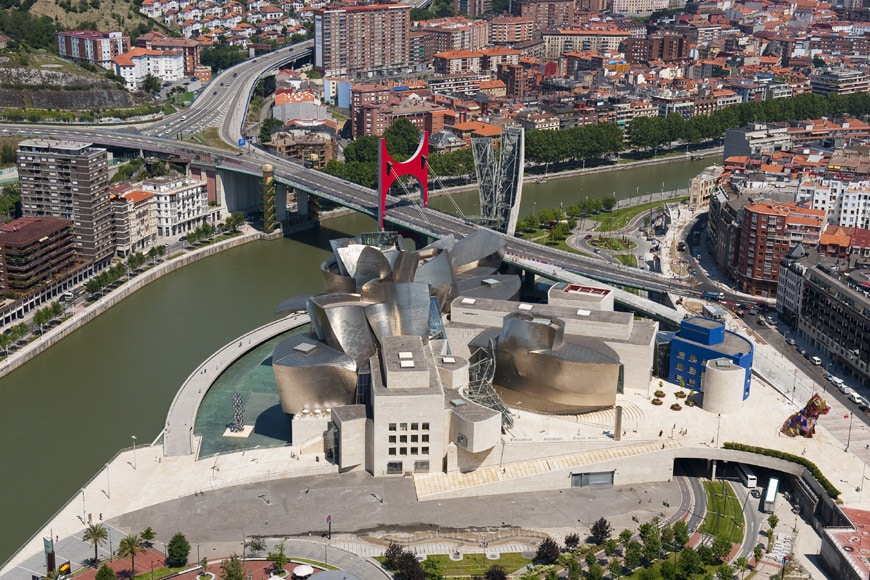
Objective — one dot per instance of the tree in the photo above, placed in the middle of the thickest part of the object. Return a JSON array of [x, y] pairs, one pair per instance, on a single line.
[[410, 568], [595, 571], [432, 569], [625, 537], [130, 546], [632, 553], [651, 538], [610, 547], [232, 569], [590, 558], [96, 535], [681, 534], [571, 542], [757, 553], [255, 546], [177, 551], [267, 127], [392, 554], [725, 572], [548, 551], [495, 572], [151, 84], [105, 573], [5, 341], [689, 562], [742, 565], [772, 521], [148, 535], [721, 547], [615, 568], [402, 139], [601, 531], [278, 558]]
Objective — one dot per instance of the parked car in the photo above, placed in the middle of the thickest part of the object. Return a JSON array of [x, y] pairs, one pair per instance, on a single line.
[[857, 399], [790, 341], [802, 351], [816, 360], [588, 236], [761, 321], [755, 493]]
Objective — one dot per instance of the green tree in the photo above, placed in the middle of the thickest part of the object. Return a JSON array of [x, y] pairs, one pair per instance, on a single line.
[[689, 562], [130, 546], [721, 547], [548, 551], [392, 554], [177, 551], [595, 571], [362, 150], [495, 572], [148, 534], [221, 56], [5, 342], [601, 531], [402, 138], [232, 569], [681, 533], [757, 553], [651, 537], [96, 535], [40, 318], [615, 568], [632, 553], [432, 569], [105, 573], [266, 128], [625, 537], [151, 84], [742, 564], [772, 521], [278, 558], [725, 572], [255, 546], [610, 547]]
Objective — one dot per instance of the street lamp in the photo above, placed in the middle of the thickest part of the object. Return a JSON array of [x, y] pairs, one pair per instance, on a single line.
[[849, 438], [718, 425], [108, 490], [133, 437]]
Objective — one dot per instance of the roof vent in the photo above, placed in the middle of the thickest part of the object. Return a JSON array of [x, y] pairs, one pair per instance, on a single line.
[[406, 364], [524, 306], [304, 347]]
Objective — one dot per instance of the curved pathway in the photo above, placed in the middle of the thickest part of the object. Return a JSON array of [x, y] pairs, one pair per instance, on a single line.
[[180, 421]]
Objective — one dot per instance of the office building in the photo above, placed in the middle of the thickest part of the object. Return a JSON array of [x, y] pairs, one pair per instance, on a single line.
[[362, 41], [839, 80], [700, 340], [69, 180]]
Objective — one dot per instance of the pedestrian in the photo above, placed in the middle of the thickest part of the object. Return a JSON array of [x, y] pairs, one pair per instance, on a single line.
[[101, 516], [660, 433]]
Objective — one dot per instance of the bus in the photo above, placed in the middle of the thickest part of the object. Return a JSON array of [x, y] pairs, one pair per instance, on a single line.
[[770, 495], [746, 476]]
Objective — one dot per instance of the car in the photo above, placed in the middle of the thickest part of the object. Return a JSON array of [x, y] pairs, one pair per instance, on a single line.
[[214, 93], [790, 341], [588, 237], [235, 75], [857, 399], [761, 322], [816, 360], [755, 493], [802, 351], [222, 84], [828, 376]]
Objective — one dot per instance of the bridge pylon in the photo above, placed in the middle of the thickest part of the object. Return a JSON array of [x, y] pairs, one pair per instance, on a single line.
[[389, 170]]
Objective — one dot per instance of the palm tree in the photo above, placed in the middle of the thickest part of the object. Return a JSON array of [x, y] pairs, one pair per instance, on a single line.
[[130, 546], [95, 534]]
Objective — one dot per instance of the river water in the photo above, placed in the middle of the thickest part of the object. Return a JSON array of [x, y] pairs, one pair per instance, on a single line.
[[67, 412]]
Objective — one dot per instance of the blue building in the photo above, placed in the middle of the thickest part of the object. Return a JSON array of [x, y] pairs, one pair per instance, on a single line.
[[701, 339]]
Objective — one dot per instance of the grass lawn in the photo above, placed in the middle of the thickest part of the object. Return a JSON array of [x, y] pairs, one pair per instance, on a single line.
[[159, 573], [615, 244], [724, 513], [619, 218], [477, 564], [212, 138], [629, 260]]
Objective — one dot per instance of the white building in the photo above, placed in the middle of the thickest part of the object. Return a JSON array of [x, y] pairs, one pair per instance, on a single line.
[[845, 202], [181, 204], [134, 214], [134, 66]]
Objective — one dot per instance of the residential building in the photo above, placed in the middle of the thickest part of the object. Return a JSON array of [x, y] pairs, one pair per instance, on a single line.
[[135, 65], [456, 33], [362, 41], [703, 186], [34, 250], [835, 316], [767, 232], [135, 221], [181, 204], [472, 8], [188, 47], [839, 80], [789, 289], [637, 7], [69, 180], [546, 13], [92, 46], [511, 29], [844, 199], [560, 41], [756, 139]]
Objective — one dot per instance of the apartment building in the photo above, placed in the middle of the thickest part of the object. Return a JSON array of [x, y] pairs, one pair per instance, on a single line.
[[69, 180], [839, 80], [560, 41], [91, 46], [188, 47], [546, 13], [33, 251], [511, 29], [362, 41], [135, 65], [181, 204], [135, 221], [456, 33]]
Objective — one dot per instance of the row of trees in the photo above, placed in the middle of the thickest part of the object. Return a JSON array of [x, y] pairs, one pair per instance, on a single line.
[[13, 335], [662, 546], [177, 549], [45, 315], [206, 230], [589, 141]]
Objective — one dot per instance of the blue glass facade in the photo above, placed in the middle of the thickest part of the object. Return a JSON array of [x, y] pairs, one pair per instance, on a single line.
[[701, 339]]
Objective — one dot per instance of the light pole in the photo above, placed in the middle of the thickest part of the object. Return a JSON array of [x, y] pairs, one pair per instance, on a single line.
[[84, 509], [133, 437], [108, 487], [718, 425], [849, 438]]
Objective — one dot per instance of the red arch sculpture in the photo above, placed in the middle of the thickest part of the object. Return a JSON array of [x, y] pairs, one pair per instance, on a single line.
[[389, 170]]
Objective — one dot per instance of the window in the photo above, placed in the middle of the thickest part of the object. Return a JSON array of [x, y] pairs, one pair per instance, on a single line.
[[414, 438], [392, 451], [693, 371], [680, 367], [394, 467], [413, 451], [403, 450], [424, 438], [403, 438], [414, 426], [425, 426], [681, 355], [392, 438], [693, 359], [403, 426], [424, 450], [392, 426]]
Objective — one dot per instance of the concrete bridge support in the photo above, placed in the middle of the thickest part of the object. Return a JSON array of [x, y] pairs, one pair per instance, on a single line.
[[213, 183], [242, 192]]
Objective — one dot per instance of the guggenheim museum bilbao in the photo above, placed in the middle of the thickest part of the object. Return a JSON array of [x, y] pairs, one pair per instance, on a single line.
[[416, 359]]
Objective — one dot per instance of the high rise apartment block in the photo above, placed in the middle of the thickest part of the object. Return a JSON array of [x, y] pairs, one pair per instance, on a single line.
[[92, 46], [33, 251], [767, 232], [69, 180], [546, 13], [362, 41], [456, 33], [511, 29]]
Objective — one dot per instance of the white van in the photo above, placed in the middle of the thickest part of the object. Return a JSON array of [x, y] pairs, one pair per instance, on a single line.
[[815, 360], [838, 382]]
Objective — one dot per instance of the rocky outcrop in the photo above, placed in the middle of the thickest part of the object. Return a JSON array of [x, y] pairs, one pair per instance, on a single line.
[[52, 89]]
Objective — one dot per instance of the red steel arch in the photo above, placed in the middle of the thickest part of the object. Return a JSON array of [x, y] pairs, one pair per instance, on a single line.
[[389, 170]]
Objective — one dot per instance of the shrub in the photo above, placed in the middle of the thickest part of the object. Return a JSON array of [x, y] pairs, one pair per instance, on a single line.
[[800, 460], [548, 551], [177, 551]]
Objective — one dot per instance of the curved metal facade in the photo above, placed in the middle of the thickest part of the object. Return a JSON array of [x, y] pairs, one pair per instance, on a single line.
[[310, 374]]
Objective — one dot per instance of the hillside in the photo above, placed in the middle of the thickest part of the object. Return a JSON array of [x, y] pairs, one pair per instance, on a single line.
[[105, 14]]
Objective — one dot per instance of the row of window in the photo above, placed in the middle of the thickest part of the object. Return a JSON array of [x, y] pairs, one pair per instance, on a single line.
[[404, 451], [414, 426], [414, 438]]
